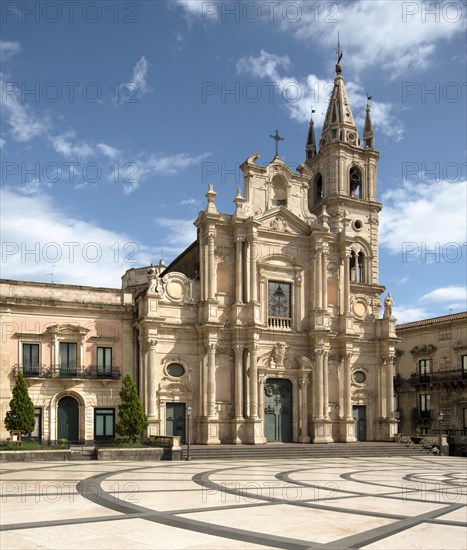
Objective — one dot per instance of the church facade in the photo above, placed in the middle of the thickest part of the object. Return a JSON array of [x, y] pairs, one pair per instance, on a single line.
[[270, 327]]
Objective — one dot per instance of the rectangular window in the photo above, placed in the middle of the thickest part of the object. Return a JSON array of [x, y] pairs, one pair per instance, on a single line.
[[36, 433], [424, 367], [68, 359], [104, 423], [464, 366], [425, 409], [30, 359], [104, 361], [279, 304], [465, 419]]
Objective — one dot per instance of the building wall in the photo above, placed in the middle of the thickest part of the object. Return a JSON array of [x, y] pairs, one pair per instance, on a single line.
[[45, 315], [432, 361]]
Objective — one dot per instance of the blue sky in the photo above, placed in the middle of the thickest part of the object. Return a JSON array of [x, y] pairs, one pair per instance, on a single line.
[[117, 115]]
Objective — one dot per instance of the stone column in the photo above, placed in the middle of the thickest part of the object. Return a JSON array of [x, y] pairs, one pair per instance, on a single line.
[[347, 283], [324, 277], [202, 267], [152, 399], [319, 281], [389, 387], [238, 270], [211, 348], [253, 412], [303, 382], [246, 297], [238, 349], [253, 252], [347, 387], [319, 384], [326, 385], [211, 275]]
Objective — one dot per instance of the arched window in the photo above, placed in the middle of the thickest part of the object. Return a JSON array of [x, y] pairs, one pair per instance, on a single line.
[[361, 267], [319, 187], [279, 191], [357, 267], [353, 267], [355, 181]]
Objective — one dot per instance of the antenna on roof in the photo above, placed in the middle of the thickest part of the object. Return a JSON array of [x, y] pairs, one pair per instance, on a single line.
[[52, 274]]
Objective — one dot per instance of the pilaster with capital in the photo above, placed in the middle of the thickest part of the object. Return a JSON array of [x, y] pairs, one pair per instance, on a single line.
[[238, 350], [211, 274], [211, 348], [253, 409], [253, 284], [303, 387], [151, 344], [238, 269]]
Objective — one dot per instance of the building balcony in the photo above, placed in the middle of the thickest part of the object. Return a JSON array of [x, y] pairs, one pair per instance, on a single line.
[[68, 372], [280, 323], [445, 377], [423, 415]]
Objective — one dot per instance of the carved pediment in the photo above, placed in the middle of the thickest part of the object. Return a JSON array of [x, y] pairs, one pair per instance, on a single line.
[[281, 220]]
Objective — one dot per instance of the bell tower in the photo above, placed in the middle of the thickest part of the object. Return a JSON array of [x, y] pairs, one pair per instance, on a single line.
[[342, 176]]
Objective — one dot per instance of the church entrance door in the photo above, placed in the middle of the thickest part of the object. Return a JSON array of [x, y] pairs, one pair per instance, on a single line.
[[175, 420], [359, 415], [278, 410]]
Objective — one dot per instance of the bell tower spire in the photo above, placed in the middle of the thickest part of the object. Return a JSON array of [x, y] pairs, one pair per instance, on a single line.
[[310, 140], [368, 135], [339, 124]]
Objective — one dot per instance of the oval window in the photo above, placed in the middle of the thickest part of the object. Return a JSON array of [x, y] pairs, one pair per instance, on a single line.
[[359, 377], [175, 369]]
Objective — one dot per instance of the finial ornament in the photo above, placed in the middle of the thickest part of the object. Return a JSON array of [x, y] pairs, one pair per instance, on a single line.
[[339, 52], [276, 137]]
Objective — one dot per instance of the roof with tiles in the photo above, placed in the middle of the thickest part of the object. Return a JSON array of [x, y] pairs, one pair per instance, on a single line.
[[434, 320]]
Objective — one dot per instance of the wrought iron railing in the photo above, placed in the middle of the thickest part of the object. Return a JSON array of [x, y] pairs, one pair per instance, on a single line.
[[439, 377], [62, 371]]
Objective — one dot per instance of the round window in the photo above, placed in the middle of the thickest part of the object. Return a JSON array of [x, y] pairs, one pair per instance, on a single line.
[[358, 224], [359, 377], [175, 369]]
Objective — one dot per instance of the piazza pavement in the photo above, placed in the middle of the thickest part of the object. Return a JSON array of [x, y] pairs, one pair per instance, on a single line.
[[361, 502]]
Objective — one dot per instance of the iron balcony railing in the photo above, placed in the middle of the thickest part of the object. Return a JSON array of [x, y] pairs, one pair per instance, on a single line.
[[450, 376], [62, 371]]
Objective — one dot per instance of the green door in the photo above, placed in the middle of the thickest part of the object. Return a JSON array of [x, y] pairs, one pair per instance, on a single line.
[[175, 420], [359, 415], [278, 410], [68, 422]]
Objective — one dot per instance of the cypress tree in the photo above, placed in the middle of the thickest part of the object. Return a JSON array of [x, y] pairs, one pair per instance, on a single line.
[[20, 416], [133, 420]]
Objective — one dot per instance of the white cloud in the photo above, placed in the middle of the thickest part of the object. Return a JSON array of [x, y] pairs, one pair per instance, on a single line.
[[24, 123], [194, 7], [407, 314], [388, 36], [452, 296], [67, 145], [182, 232], [420, 217], [314, 92], [9, 49], [191, 202], [37, 234], [140, 74], [2, 143], [108, 150]]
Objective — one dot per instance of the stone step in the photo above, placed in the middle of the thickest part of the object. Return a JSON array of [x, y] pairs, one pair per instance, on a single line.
[[80, 452], [249, 452]]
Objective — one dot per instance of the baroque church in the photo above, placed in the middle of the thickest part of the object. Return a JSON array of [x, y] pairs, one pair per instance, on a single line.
[[269, 328]]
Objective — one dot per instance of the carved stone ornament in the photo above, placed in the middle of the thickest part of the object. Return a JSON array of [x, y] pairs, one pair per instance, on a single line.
[[276, 358], [279, 224]]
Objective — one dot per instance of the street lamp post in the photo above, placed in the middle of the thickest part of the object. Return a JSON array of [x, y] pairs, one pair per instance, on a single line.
[[189, 410], [440, 418]]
